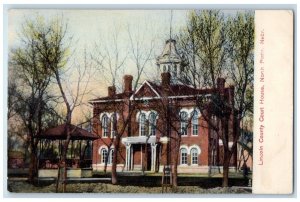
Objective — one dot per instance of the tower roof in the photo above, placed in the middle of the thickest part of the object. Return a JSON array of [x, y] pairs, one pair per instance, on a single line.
[[169, 54]]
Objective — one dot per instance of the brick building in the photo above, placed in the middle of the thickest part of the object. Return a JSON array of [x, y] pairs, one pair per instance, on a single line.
[[158, 124]]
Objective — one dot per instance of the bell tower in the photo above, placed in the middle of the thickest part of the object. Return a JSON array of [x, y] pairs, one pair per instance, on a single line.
[[170, 61]]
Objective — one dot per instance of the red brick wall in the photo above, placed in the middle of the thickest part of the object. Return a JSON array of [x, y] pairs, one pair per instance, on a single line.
[[202, 140]]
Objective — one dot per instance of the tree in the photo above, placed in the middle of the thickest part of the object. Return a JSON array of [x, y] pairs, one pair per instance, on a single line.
[[28, 95], [44, 58], [215, 43], [241, 68], [110, 58]]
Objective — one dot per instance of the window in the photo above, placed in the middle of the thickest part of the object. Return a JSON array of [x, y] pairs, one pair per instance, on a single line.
[[183, 156], [111, 157], [194, 156], [164, 68], [183, 123], [195, 123], [113, 125], [104, 155], [105, 126], [142, 124], [152, 123]]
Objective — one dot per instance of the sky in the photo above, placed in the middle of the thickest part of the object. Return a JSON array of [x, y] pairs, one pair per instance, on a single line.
[[92, 31], [89, 28]]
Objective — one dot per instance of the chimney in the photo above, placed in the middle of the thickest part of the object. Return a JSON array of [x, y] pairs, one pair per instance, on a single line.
[[111, 91], [165, 79], [128, 83], [221, 85]]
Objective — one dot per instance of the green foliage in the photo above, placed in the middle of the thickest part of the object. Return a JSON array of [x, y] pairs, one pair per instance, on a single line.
[[32, 64], [241, 51], [202, 43], [216, 46]]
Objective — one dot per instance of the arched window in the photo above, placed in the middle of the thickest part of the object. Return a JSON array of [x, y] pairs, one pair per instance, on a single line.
[[195, 127], [183, 156], [183, 123], [142, 124], [113, 125], [105, 125], [103, 155], [194, 156], [111, 157], [152, 123], [169, 68]]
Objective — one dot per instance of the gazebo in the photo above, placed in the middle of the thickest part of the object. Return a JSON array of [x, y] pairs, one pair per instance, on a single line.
[[79, 153]]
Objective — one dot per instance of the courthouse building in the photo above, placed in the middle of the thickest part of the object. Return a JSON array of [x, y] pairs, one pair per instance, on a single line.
[[157, 123]]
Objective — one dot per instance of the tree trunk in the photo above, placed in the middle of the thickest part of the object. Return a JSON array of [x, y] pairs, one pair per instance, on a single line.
[[175, 162], [114, 176], [226, 169], [32, 167]]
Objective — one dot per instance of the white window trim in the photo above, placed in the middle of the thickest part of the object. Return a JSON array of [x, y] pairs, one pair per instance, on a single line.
[[187, 153], [191, 156], [152, 125], [112, 127], [104, 147], [192, 125], [101, 153], [147, 115], [184, 122], [107, 125], [110, 156], [140, 125]]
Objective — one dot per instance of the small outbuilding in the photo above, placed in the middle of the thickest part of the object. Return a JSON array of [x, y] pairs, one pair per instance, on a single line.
[[79, 153]]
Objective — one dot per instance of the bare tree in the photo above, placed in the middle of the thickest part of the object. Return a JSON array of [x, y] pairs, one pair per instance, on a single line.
[[141, 52], [71, 101], [110, 57]]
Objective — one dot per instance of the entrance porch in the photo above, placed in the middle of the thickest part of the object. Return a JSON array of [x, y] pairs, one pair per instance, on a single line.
[[141, 153]]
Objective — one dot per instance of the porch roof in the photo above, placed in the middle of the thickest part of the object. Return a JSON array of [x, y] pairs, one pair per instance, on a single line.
[[58, 133], [139, 140]]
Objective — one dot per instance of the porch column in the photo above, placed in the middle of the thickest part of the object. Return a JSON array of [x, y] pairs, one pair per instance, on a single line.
[[128, 156], [131, 158], [153, 156]]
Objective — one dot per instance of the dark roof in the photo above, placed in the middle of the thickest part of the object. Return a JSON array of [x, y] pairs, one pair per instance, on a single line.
[[116, 96], [180, 89], [58, 133], [175, 90]]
